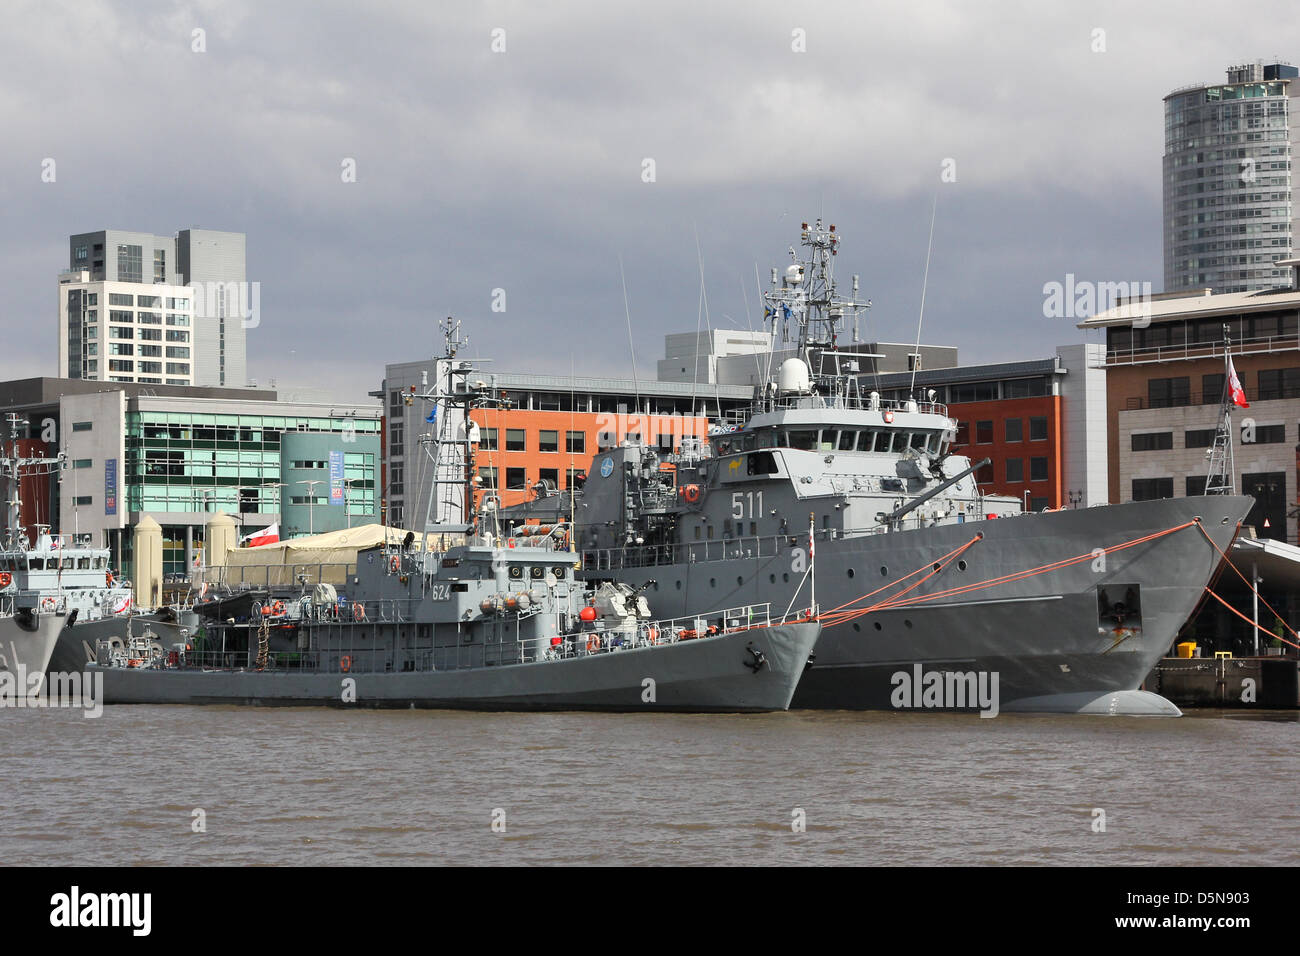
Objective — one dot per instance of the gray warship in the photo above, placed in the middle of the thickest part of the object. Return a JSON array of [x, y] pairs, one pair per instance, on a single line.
[[919, 573], [478, 620], [65, 575]]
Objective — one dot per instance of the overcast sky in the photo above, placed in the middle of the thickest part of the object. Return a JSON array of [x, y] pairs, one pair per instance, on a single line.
[[522, 170]]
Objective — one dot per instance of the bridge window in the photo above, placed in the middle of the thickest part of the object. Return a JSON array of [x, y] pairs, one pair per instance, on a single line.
[[898, 442], [801, 440], [848, 439]]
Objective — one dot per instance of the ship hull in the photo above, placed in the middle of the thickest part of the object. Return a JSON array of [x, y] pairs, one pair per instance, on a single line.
[[1042, 635], [705, 675], [25, 649], [75, 647]]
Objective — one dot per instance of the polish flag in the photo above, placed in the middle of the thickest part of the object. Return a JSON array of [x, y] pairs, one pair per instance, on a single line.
[[266, 536], [1234, 386]]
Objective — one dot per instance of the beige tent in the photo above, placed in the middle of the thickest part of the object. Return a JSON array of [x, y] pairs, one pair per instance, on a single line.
[[328, 557]]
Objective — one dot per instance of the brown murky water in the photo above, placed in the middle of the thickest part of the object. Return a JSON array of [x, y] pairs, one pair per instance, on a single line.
[[332, 787]]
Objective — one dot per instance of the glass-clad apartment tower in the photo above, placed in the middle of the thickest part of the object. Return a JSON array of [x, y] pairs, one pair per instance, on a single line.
[[1228, 209]]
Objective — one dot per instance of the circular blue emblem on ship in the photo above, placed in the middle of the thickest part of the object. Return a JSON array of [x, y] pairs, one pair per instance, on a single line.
[[607, 467]]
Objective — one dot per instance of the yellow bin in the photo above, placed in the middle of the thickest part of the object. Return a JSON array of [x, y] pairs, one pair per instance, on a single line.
[[1186, 648]]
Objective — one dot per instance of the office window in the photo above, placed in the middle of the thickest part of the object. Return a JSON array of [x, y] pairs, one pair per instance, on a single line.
[[120, 298], [83, 463], [1198, 437], [159, 265], [148, 301], [151, 335], [1195, 485], [178, 303], [1150, 489], [1212, 389], [178, 368], [489, 476], [550, 474], [121, 332], [1015, 428], [487, 439], [572, 477], [84, 499], [963, 434], [130, 264], [983, 433], [151, 351], [120, 365], [177, 335], [80, 254], [1278, 383], [1169, 392], [515, 440], [1038, 504], [548, 441], [1038, 428], [151, 368], [516, 479], [1015, 469], [1038, 469], [178, 351], [984, 475], [1152, 441], [174, 319], [576, 442], [1264, 435], [149, 318], [120, 348], [120, 315]]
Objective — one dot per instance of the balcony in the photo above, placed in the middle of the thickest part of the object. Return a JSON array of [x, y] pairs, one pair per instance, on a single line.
[[1201, 350]]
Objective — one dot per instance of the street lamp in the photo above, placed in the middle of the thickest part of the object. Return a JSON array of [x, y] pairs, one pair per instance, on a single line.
[[311, 484], [278, 495], [347, 498]]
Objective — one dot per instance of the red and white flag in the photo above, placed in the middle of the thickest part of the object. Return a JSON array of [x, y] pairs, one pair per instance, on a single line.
[[266, 536], [1234, 386]]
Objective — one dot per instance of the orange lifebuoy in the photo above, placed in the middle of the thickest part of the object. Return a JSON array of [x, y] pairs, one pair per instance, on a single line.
[[48, 604], [593, 644], [653, 635], [358, 612], [889, 417], [5, 579], [691, 493], [345, 663], [277, 609], [394, 564]]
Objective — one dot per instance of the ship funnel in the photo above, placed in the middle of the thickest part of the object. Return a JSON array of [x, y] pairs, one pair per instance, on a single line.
[[794, 377]]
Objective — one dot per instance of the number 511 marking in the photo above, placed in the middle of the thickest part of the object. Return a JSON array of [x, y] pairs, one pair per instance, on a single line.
[[741, 499]]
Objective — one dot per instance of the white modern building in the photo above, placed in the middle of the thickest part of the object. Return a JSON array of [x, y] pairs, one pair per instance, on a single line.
[[125, 331], [135, 307]]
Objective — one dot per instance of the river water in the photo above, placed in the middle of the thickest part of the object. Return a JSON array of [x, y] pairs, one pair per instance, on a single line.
[[319, 786]]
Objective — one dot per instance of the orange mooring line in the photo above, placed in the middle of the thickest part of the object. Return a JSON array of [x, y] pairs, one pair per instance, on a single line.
[[840, 617], [1250, 584]]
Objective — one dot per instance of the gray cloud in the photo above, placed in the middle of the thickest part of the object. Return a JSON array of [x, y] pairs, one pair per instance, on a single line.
[[522, 170]]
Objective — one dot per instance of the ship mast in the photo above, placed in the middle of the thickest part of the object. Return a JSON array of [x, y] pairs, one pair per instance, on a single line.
[[1219, 477], [805, 300], [12, 469], [451, 398]]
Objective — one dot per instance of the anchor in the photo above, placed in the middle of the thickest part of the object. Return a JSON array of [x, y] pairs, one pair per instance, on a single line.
[[759, 660]]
